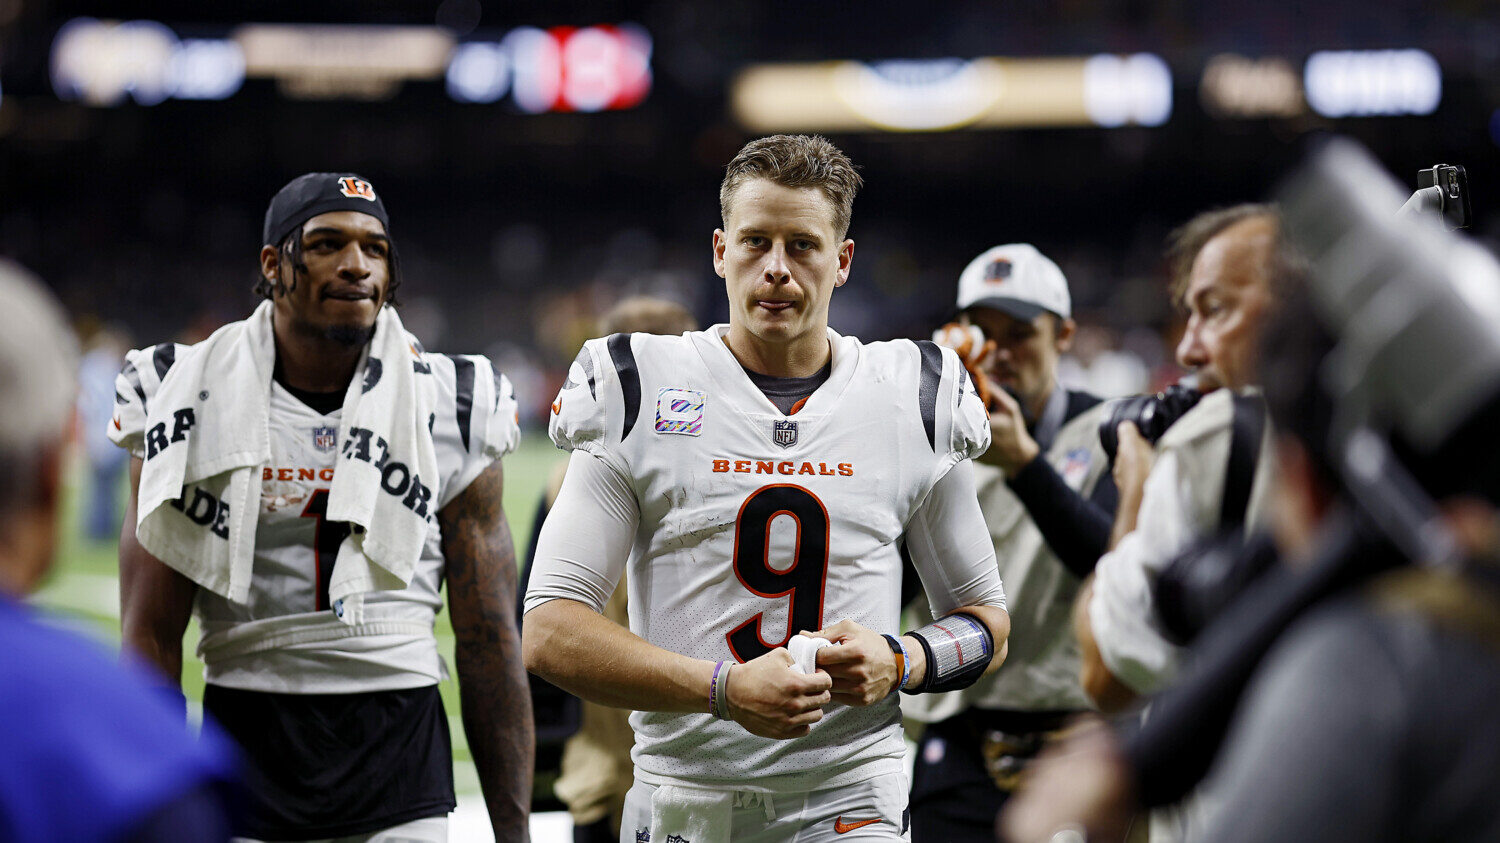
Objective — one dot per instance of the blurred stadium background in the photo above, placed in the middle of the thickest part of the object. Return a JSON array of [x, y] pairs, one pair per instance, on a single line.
[[542, 160]]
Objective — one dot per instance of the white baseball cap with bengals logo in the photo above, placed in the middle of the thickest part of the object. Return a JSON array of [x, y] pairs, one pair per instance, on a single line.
[[1017, 280]]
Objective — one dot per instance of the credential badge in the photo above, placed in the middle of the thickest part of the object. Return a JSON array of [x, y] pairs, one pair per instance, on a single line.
[[784, 432], [679, 411], [325, 439]]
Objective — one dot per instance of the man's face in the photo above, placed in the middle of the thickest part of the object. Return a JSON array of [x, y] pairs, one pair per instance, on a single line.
[[1228, 298], [780, 259], [1026, 352], [347, 260]]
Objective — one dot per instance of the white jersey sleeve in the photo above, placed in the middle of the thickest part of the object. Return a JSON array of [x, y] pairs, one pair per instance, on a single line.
[[586, 539], [950, 546], [136, 384], [589, 412], [478, 405]]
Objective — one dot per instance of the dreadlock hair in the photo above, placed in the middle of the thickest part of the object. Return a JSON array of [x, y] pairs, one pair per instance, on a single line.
[[290, 251]]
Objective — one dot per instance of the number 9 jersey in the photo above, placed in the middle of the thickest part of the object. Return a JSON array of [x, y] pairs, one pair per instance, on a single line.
[[751, 525]]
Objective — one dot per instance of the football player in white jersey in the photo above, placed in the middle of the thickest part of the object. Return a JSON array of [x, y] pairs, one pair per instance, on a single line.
[[340, 719], [758, 479]]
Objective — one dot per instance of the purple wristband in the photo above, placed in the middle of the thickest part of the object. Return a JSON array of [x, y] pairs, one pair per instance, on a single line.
[[713, 691]]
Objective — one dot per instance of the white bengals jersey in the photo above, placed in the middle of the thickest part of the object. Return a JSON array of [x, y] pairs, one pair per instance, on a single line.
[[754, 525], [285, 639]]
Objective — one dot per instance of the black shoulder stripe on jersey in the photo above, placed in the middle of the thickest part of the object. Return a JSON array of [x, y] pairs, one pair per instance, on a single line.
[[463, 378], [134, 378], [630, 379], [932, 375], [164, 356]]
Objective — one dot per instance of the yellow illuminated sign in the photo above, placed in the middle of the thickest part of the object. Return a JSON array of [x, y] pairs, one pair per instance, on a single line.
[[945, 94]]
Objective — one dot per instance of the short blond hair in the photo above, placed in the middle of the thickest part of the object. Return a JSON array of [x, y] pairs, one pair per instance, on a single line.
[[795, 161]]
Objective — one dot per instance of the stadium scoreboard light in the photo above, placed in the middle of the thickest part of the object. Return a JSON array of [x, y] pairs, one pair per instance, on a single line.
[[1373, 83], [1349, 83], [106, 63], [562, 69], [944, 94], [1103, 90]]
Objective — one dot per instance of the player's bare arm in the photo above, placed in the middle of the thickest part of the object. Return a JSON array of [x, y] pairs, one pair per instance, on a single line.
[[156, 602], [574, 647], [864, 668], [481, 574]]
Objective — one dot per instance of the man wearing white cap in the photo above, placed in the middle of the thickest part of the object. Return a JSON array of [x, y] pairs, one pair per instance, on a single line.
[[1048, 501]]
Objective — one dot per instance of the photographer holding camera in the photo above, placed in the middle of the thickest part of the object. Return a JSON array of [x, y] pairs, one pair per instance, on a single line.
[[1348, 695], [1048, 500], [1207, 472]]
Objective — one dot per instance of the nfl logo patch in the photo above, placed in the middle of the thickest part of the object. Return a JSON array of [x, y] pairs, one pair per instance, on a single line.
[[325, 438], [679, 411], [784, 433], [1075, 467]]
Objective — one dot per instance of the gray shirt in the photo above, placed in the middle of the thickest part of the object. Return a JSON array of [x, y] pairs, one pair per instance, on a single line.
[[1365, 725]]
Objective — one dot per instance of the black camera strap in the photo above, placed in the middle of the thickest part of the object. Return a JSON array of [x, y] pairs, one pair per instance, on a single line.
[[1246, 431]]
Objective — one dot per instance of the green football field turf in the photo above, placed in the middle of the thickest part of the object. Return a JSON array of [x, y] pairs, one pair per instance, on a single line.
[[84, 586]]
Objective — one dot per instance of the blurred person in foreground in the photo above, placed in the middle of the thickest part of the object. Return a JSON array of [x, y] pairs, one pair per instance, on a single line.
[[1048, 500], [1208, 472], [1372, 653], [596, 766], [305, 481], [756, 479], [90, 749]]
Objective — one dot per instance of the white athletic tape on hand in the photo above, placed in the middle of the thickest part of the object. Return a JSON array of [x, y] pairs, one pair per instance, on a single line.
[[805, 652]]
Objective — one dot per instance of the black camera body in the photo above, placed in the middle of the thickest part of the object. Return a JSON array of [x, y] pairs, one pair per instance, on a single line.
[[1442, 192], [1152, 414]]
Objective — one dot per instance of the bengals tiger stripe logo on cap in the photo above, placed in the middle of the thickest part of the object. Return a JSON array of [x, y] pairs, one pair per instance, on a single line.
[[357, 189]]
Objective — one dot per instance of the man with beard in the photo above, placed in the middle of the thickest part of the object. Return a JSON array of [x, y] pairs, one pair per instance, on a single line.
[[304, 481]]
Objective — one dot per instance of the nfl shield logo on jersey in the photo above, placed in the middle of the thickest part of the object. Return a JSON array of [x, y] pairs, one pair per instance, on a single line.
[[325, 438], [784, 433]]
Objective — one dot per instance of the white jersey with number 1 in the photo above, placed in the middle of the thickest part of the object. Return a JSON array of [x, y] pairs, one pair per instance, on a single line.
[[285, 639], [754, 525]]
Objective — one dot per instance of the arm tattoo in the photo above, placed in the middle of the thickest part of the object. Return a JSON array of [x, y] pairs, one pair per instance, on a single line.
[[494, 695]]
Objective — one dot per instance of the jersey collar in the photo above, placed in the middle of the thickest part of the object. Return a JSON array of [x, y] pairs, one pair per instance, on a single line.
[[731, 376]]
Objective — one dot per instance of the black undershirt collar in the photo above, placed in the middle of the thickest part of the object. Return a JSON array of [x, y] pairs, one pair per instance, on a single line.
[[322, 403], [785, 393]]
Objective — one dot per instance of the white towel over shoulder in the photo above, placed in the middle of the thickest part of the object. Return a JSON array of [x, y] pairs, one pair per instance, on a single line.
[[207, 437]]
